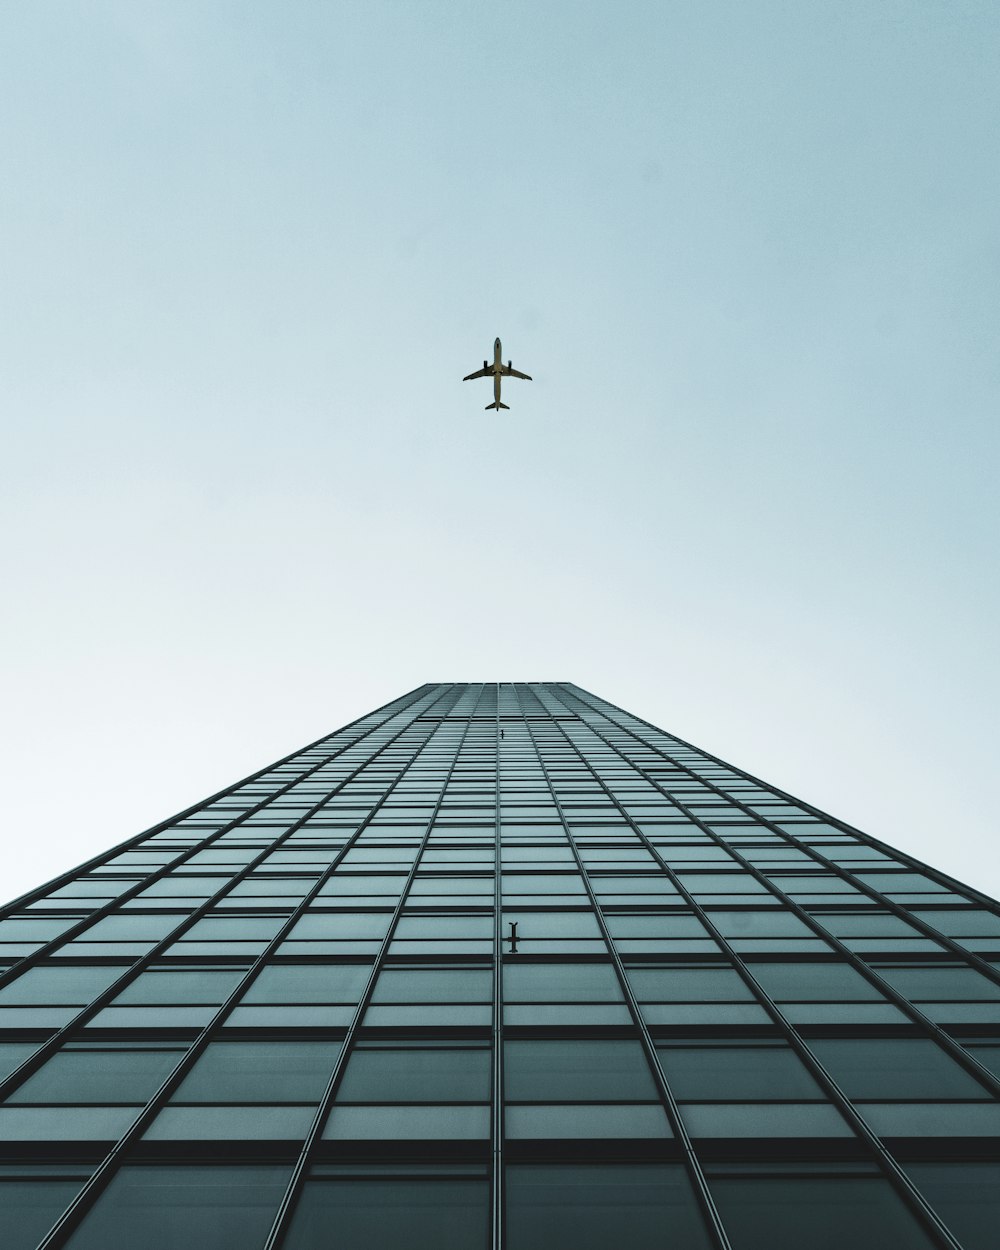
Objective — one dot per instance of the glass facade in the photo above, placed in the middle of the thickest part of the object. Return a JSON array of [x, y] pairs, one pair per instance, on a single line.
[[500, 965]]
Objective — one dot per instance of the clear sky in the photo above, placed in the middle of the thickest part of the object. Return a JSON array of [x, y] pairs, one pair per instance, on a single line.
[[748, 251]]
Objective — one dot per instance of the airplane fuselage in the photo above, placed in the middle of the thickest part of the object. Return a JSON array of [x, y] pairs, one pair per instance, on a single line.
[[497, 366]]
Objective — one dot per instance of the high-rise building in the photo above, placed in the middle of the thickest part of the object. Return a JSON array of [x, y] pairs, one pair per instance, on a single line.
[[500, 965]]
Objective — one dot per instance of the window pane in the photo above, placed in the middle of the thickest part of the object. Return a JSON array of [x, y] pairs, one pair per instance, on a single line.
[[550, 924], [196, 986], [702, 984], [942, 982], [163, 1208], [99, 1076], [78, 984], [577, 1071], [988, 1056], [826, 1213], [592, 1207], [28, 1209], [178, 1123], [894, 1067], [309, 983], [13, 1054], [738, 1072], [608, 1119], [560, 983], [260, 1072], [772, 922], [411, 1074], [320, 925], [966, 1196], [89, 1123], [813, 981], [132, 927], [425, 1214], [412, 1122], [769, 1119], [445, 985]]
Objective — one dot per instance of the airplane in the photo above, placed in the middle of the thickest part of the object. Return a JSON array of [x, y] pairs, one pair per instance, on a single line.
[[496, 371]]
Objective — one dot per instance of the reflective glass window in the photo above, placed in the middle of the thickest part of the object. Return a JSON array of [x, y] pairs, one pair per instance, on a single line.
[[560, 982], [418, 1212], [824, 1213], [681, 983], [416, 1074], [577, 1070], [260, 1072], [593, 1206], [309, 983], [813, 981], [967, 1197], [163, 1208], [78, 984], [443, 985], [30, 1206], [894, 1067], [194, 986], [940, 981], [13, 1054], [99, 1076], [740, 1072]]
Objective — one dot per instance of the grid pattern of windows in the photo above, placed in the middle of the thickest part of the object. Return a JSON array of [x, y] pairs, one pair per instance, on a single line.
[[500, 966]]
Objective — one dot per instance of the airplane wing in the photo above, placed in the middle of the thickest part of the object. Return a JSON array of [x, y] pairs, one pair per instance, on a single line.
[[513, 373], [480, 373]]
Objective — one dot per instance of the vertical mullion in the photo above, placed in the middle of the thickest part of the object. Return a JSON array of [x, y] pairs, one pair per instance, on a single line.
[[286, 1210], [98, 1182], [692, 1165]]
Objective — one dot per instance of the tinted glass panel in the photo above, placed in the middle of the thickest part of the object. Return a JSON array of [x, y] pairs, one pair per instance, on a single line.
[[166, 1208], [594, 1207], [211, 987], [13, 1054], [99, 1076], [966, 1196], [446, 985], [260, 1072], [309, 983], [79, 984], [577, 1071], [704, 984], [894, 1067], [822, 1213], [737, 1072], [557, 983], [813, 981], [28, 1209], [439, 1074], [423, 1214], [944, 982]]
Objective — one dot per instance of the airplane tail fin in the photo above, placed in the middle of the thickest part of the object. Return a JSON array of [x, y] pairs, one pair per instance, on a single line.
[[498, 405]]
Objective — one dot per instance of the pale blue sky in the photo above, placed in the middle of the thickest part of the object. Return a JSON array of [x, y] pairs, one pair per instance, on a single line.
[[748, 251]]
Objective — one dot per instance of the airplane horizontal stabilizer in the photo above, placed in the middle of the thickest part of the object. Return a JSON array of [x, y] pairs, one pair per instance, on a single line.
[[498, 404]]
